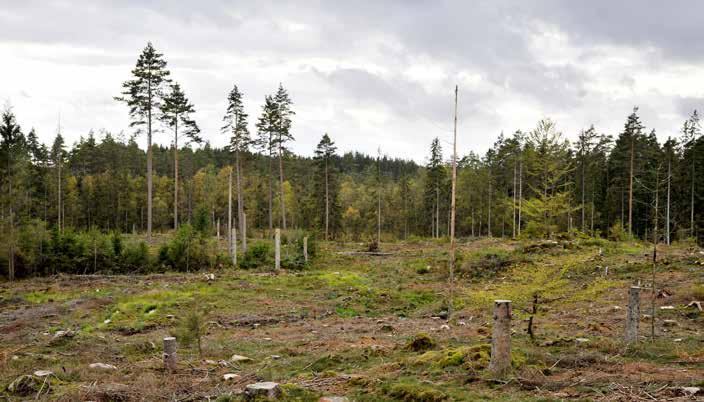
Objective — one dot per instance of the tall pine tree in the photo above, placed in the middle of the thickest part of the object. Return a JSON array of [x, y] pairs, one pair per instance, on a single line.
[[176, 113], [143, 95]]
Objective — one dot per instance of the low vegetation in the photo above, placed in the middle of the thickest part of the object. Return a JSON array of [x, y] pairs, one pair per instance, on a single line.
[[369, 328]]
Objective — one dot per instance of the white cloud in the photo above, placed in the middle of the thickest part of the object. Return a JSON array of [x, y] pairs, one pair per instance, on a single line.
[[370, 74]]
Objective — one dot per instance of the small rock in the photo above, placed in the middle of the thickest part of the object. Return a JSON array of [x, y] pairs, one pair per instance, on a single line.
[[64, 334], [333, 399], [667, 307], [102, 366], [691, 391], [275, 357], [43, 373], [581, 340], [445, 327], [108, 321], [266, 389], [616, 308], [268, 339], [211, 362], [462, 323], [230, 376], [669, 323], [240, 359], [677, 340], [170, 316]]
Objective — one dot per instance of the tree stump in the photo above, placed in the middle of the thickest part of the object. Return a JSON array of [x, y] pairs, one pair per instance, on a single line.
[[170, 358], [633, 315], [277, 249], [268, 390], [501, 338]]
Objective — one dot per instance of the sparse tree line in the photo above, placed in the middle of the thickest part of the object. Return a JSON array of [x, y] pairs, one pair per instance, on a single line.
[[532, 183]]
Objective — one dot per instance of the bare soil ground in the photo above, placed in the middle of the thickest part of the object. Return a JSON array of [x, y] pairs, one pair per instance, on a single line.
[[342, 327]]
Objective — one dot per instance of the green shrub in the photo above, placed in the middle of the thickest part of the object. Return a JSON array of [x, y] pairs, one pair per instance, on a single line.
[[186, 251], [135, 258], [257, 255]]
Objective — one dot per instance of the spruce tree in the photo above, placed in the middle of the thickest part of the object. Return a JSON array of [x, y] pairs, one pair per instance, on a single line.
[[143, 95], [266, 143], [176, 113], [12, 158], [549, 168], [283, 135], [236, 126], [326, 184], [435, 177], [58, 154]]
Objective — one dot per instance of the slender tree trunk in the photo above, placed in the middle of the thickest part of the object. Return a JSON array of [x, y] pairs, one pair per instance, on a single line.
[[513, 205], [591, 210], [520, 194], [11, 250], [437, 212], [655, 255], [630, 190], [452, 214], [667, 215], [378, 191], [230, 246], [327, 201], [488, 230], [271, 185], [149, 162], [176, 175], [691, 204], [583, 189], [240, 205], [58, 180], [281, 182]]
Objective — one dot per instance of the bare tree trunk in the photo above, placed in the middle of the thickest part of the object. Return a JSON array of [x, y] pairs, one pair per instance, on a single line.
[[58, 180], [378, 211], [271, 186], [488, 230], [630, 190], [452, 213], [176, 175], [327, 201], [520, 194], [437, 212], [240, 205], [281, 182], [149, 168], [667, 216], [513, 206], [230, 246], [277, 249], [583, 189], [691, 205], [655, 255]]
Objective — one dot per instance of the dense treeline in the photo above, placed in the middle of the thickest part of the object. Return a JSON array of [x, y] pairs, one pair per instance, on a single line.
[[532, 183]]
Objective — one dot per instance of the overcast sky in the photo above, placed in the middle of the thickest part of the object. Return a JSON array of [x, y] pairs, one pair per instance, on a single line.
[[370, 73]]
